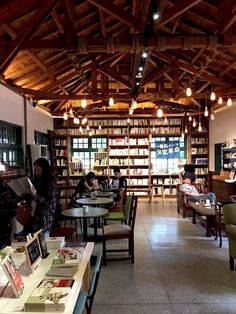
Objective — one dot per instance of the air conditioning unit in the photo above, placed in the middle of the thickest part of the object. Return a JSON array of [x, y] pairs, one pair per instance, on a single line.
[[38, 151]]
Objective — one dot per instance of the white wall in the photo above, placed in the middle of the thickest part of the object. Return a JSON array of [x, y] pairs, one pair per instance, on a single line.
[[12, 111], [222, 129]]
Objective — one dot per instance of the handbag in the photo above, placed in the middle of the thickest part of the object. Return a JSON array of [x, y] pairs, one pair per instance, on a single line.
[[23, 213]]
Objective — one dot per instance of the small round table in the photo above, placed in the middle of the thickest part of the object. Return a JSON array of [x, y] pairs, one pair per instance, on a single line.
[[85, 213], [94, 202], [100, 194]]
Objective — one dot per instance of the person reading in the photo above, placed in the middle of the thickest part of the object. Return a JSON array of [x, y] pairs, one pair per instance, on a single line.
[[87, 183], [192, 192]]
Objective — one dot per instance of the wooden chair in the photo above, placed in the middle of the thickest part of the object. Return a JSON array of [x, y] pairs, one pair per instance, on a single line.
[[123, 214], [229, 212], [117, 232]]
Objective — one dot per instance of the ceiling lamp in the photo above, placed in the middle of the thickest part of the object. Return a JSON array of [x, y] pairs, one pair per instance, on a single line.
[[99, 127], [131, 110], [220, 101], [194, 122], [206, 113], [156, 16], [65, 115], [83, 103], [111, 101], [137, 83], [71, 111], [188, 92], [134, 104], [140, 68], [229, 102], [144, 55], [76, 120], [80, 129], [84, 120], [128, 120], [190, 118], [213, 96], [212, 115], [159, 113], [186, 129], [199, 127]]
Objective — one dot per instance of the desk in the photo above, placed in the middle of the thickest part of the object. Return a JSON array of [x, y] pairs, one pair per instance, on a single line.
[[91, 212], [15, 305], [209, 212], [94, 202]]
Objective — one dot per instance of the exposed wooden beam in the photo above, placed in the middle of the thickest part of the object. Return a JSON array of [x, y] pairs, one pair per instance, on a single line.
[[144, 11], [156, 74], [177, 9], [102, 23], [58, 21], [118, 12], [69, 31], [116, 76], [227, 15], [25, 33]]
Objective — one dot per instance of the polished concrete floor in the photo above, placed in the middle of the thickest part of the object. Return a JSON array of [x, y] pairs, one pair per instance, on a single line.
[[177, 269]]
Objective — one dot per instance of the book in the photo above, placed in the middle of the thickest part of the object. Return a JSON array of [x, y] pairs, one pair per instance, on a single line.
[[54, 243], [21, 186], [13, 275], [50, 295], [68, 256], [56, 272]]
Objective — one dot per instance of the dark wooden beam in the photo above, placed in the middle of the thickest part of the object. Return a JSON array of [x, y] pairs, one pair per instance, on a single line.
[[227, 15], [102, 23], [118, 12], [25, 33], [156, 74], [116, 76], [69, 31]]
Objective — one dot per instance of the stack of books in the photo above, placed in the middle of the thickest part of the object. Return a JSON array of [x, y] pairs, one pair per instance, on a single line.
[[53, 243], [68, 256]]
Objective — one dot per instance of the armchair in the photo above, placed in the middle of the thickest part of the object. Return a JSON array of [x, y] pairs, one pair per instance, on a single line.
[[229, 212]]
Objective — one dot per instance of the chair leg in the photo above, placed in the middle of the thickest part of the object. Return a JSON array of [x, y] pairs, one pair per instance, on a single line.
[[104, 253], [132, 251], [231, 263]]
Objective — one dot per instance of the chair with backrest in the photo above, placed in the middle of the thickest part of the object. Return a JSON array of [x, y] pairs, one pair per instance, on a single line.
[[121, 215], [121, 231], [229, 212]]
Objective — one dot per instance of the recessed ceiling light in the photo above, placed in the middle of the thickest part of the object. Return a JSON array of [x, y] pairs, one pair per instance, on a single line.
[[156, 16], [144, 54]]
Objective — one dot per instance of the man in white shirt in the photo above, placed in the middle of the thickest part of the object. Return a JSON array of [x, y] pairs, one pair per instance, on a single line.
[[193, 194]]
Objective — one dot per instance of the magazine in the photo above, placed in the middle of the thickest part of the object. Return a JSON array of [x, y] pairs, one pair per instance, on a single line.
[[21, 186], [56, 272], [68, 256], [50, 295], [13, 275]]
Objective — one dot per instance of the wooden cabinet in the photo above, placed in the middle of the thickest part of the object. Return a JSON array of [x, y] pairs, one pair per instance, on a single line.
[[223, 189]]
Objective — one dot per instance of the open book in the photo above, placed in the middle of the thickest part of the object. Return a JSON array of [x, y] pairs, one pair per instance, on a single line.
[[21, 186]]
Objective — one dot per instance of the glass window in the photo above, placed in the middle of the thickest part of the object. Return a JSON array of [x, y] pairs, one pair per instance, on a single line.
[[40, 138], [166, 153]]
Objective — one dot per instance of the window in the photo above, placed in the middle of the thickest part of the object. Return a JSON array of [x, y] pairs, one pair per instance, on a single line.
[[11, 144], [83, 149], [166, 153], [40, 138]]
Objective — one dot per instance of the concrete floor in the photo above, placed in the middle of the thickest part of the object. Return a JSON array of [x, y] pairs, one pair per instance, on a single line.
[[177, 269]]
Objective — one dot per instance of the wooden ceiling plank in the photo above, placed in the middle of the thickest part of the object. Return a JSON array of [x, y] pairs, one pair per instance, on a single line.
[[116, 76], [228, 68], [144, 12], [156, 74], [25, 33], [69, 31], [57, 20], [117, 12], [119, 57], [177, 9], [102, 23], [227, 16]]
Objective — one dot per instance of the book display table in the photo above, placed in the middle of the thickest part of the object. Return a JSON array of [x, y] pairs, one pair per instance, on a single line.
[[12, 305]]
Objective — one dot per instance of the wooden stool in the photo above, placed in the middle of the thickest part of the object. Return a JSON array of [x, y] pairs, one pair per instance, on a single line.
[[161, 187]]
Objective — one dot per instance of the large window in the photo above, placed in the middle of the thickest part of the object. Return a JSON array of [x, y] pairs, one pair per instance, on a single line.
[[11, 144], [40, 138], [166, 153], [84, 148]]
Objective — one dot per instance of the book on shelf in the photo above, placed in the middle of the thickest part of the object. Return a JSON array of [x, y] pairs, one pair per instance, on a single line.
[[21, 186], [13, 275], [51, 295], [68, 256], [56, 272]]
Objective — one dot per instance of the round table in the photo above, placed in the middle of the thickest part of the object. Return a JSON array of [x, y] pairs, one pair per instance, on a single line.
[[100, 194], [85, 213], [94, 202]]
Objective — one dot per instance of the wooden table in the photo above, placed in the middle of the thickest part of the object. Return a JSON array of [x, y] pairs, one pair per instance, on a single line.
[[85, 213], [100, 194], [94, 202], [208, 212]]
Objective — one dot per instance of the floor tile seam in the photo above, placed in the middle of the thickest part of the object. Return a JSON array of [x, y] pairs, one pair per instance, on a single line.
[[136, 303]]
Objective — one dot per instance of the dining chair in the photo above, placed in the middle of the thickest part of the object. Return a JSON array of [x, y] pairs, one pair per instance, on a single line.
[[121, 215], [118, 232], [229, 212]]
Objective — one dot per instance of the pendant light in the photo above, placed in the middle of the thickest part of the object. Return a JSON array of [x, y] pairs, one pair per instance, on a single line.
[[220, 101], [190, 118], [199, 123], [212, 115], [166, 121], [206, 113], [159, 113], [111, 101], [83, 103], [188, 92], [194, 122], [213, 96], [65, 115], [99, 127], [186, 129], [128, 120], [80, 129], [229, 102], [134, 104], [71, 111]]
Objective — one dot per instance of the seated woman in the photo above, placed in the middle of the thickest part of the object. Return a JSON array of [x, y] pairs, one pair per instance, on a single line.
[[192, 193], [87, 184]]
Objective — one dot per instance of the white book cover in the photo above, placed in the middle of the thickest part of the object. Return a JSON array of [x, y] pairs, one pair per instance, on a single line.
[[21, 186]]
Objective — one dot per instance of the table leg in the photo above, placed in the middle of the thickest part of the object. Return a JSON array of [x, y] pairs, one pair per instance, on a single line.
[[95, 228], [194, 217], [85, 229]]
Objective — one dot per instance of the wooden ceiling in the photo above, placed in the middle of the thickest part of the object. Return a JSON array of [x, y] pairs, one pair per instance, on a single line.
[[58, 52]]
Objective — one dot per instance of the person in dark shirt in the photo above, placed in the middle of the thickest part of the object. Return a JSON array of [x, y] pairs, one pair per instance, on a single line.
[[86, 184], [189, 172], [117, 183]]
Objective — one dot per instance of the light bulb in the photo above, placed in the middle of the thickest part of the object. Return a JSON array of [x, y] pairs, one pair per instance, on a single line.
[[65, 115], [190, 118], [213, 96], [140, 68], [80, 129], [194, 123], [186, 129], [83, 103], [206, 113], [137, 83], [182, 134], [131, 110], [90, 133], [144, 55], [156, 16], [134, 104], [75, 120], [128, 120], [229, 102], [166, 121], [212, 116], [99, 127], [199, 127], [159, 113], [111, 102], [220, 101], [87, 127], [71, 111], [188, 92]]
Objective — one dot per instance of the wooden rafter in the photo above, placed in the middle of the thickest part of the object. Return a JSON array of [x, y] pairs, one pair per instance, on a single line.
[[156, 74], [118, 12], [116, 76], [227, 15], [25, 33], [102, 23]]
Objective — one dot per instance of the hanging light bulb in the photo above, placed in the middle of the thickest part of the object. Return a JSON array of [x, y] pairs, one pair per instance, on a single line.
[[99, 127], [111, 102], [229, 102], [87, 128], [144, 55], [212, 115], [194, 123], [166, 121], [213, 96], [80, 129], [83, 103], [220, 101], [159, 113], [182, 134], [90, 133], [206, 113], [188, 92], [71, 111], [131, 110], [75, 120], [65, 115], [190, 118], [199, 127], [186, 129], [134, 104], [128, 120]]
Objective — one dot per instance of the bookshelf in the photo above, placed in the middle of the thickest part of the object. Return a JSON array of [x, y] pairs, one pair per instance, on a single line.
[[228, 157]]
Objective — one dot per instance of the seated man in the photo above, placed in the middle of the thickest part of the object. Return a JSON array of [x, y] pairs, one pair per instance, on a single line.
[[192, 193]]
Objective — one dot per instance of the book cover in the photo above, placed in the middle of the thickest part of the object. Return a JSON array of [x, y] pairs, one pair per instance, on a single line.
[[13, 275], [56, 272], [50, 295], [68, 256], [21, 186]]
